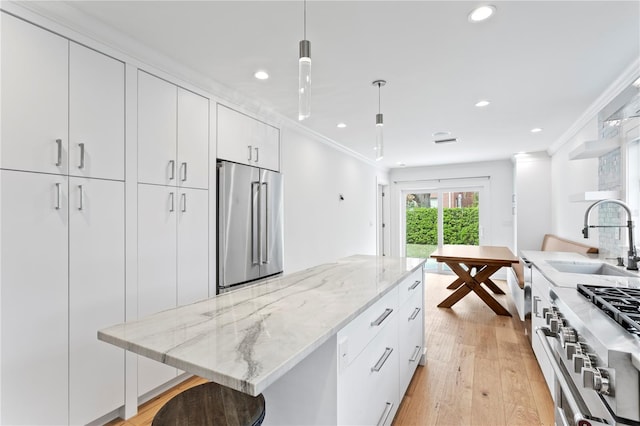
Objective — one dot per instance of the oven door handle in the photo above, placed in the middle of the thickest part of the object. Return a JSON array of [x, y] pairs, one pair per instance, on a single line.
[[576, 405]]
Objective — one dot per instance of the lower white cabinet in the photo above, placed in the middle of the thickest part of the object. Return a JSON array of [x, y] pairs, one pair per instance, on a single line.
[[172, 260], [62, 279], [376, 363], [540, 287]]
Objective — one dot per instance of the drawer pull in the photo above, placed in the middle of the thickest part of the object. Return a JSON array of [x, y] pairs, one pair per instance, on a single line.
[[382, 317], [416, 284], [416, 354], [414, 314], [382, 360], [385, 414]]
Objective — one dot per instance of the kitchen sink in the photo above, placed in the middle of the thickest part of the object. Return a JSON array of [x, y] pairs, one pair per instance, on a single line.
[[592, 268]]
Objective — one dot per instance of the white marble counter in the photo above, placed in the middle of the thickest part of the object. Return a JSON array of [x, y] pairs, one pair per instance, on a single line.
[[248, 338], [544, 261]]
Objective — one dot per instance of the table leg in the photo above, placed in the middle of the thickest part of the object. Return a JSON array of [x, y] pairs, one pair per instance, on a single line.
[[473, 283], [459, 281], [493, 287]]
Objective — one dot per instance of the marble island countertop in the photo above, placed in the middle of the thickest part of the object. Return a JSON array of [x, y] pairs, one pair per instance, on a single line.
[[553, 265], [248, 338]]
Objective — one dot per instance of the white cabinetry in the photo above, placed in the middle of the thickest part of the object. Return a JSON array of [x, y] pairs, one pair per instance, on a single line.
[[62, 237], [410, 327], [243, 139], [173, 134], [540, 287]]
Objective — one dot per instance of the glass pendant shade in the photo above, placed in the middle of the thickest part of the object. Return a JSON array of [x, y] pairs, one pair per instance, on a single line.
[[379, 137], [304, 80]]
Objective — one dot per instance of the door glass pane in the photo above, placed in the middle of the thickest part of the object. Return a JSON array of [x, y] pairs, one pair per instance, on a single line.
[[422, 224], [460, 218]]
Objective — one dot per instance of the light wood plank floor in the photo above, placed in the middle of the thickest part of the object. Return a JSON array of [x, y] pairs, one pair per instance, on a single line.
[[480, 369]]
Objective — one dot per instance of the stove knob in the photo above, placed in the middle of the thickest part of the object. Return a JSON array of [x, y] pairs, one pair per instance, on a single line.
[[572, 349], [555, 324], [568, 335], [580, 361], [596, 379]]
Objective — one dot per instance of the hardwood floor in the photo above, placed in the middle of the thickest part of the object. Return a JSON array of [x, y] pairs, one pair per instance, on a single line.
[[480, 369]]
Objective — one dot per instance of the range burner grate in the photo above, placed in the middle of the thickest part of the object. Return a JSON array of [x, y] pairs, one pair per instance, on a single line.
[[621, 304]]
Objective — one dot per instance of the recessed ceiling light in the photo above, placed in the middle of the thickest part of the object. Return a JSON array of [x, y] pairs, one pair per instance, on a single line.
[[481, 13], [261, 75], [536, 130], [341, 126], [482, 103]]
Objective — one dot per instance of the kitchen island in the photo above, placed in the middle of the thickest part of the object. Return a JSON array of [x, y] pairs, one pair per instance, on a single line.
[[299, 339]]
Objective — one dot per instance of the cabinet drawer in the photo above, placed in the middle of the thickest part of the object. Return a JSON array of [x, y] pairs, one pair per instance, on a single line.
[[411, 338], [410, 286], [368, 389], [358, 333]]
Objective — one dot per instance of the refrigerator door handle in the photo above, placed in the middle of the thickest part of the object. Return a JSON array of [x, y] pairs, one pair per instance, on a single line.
[[266, 221], [255, 217]]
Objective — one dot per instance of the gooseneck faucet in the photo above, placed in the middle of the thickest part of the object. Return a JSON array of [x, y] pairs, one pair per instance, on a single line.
[[632, 256]]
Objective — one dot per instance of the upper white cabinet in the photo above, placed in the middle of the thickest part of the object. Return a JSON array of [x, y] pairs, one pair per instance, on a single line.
[[96, 114], [35, 95], [243, 139], [173, 129]]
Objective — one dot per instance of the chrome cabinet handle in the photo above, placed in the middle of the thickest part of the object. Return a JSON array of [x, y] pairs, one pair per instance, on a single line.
[[414, 314], [257, 155], [536, 299], [184, 202], [172, 169], [382, 360], [382, 317], [250, 150], [81, 205], [183, 167], [171, 205], [59, 151], [415, 284], [81, 145], [385, 414], [416, 354], [58, 196]]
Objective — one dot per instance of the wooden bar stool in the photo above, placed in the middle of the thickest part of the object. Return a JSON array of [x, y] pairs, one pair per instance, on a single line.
[[211, 404]]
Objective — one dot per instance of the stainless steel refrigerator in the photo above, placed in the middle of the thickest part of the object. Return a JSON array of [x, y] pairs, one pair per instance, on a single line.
[[250, 224]]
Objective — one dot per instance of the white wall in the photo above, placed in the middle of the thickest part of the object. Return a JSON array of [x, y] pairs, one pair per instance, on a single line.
[[572, 177], [318, 227], [499, 229]]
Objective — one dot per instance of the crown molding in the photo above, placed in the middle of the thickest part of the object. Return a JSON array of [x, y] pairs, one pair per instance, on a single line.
[[628, 76]]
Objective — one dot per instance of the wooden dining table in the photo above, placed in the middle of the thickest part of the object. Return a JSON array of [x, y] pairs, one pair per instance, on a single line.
[[474, 266]]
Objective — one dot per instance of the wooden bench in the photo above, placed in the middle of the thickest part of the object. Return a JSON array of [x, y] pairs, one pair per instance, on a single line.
[[520, 285]]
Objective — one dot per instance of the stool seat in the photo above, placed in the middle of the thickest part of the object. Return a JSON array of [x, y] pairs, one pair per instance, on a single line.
[[211, 404]]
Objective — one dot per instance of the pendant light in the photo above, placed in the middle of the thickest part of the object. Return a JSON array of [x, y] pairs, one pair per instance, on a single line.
[[379, 123], [304, 74]]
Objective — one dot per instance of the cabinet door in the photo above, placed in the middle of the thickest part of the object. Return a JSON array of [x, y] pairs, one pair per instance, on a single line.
[[96, 114], [193, 246], [540, 297], [34, 298], [239, 137], [34, 98], [157, 206], [193, 140], [157, 116], [410, 338], [269, 154], [96, 296]]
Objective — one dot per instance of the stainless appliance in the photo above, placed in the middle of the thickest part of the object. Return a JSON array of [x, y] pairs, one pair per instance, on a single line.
[[250, 224], [595, 361]]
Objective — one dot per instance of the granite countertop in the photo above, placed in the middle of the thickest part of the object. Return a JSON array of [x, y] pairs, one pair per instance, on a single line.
[[248, 338], [544, 261]]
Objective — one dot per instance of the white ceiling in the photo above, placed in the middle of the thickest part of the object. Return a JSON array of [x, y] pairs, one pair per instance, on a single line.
[[540, 63]]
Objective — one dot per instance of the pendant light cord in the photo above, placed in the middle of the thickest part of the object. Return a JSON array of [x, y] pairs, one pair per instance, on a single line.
[[379, 98], [305, 20]]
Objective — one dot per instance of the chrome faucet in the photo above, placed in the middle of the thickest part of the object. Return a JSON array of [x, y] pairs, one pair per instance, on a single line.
[[632, 256]]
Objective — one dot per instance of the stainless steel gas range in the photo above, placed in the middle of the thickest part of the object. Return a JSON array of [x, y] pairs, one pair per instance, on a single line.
[[592, 345]]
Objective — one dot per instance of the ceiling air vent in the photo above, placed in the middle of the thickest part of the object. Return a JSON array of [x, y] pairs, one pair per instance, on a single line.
[[447, 140]]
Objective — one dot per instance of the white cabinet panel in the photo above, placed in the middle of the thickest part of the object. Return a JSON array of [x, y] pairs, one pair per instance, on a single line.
[[157, 127], [157, 208], [243, 139], [410, 337], [540, 299], [96, 296], [96, 114], [193, 140], [34, 278], [34, 98], [193, 246]]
